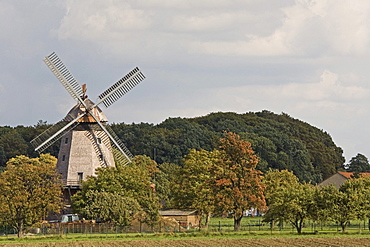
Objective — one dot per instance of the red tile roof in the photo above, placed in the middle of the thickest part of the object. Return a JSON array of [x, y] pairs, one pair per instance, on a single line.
[[349, 174]]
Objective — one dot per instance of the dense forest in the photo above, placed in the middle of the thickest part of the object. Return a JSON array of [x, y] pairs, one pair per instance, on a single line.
[[280, 141]]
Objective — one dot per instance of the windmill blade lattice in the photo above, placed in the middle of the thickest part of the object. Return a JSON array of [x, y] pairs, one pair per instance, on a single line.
[[93, 134], [54, 133], [120, 88], [64, 76], [121, 158]]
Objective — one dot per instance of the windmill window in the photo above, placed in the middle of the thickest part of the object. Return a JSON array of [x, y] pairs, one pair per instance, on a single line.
[[63, 158], [80, 176], [66, 140], [98, 140]]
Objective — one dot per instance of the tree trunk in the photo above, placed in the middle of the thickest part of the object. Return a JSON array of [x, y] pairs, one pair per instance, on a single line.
[[299, 226], [237, 221], [208, 218], [200, 221], [20, 229]]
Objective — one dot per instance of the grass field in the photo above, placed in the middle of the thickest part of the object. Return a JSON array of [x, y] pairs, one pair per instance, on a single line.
[[256, 224], [254, 233]]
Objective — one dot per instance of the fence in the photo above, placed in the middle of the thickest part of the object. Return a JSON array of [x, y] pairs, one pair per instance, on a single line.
[[248, 224], [256, 224], [95, 228]]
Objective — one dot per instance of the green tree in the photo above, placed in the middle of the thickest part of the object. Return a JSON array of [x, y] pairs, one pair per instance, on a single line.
[[165, 182], [352, 201], [11, 145], [294, 204], [109, 207], [358, 164], [327, 203], [289, 200], [30, 188], [192, 186], [235, 182], [276, 180], [134, 181]]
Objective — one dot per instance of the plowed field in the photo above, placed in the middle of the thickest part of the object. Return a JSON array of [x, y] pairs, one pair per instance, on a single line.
[[296, 242]]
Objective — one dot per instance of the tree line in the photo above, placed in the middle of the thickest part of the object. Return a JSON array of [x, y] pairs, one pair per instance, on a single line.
[[221, 182], [293, 202], [280, 141]]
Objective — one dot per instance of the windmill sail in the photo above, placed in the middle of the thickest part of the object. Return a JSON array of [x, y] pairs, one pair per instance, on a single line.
[[94, 134], [64, 76], [121, 153], [120, 88], [54, 133]]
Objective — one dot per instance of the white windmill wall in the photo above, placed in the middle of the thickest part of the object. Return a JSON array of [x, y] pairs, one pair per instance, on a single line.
[[78, 159]]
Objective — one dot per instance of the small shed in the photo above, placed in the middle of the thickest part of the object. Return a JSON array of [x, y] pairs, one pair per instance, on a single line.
[[185, 217], [339, 178]]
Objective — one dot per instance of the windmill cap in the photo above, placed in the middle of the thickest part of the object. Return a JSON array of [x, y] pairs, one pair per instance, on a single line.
[[79, 109]]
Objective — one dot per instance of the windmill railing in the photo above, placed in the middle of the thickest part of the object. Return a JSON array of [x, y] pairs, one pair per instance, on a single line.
[[71, 182]]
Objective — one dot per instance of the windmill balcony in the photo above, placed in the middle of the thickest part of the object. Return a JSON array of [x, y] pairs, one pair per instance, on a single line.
[[74, 183]]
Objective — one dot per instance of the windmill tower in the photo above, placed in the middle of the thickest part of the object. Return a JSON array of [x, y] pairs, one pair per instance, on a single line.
[[86, 141]]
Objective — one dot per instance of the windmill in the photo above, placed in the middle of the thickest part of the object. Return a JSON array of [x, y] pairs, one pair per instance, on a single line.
[[87, 141]]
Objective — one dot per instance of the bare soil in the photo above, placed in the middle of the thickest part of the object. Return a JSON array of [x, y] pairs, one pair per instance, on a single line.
[[296, 242]]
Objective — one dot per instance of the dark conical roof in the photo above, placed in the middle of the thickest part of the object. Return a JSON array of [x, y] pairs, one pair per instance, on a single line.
[[79, 109]]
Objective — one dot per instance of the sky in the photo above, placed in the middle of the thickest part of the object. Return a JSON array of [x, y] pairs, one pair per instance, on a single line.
[[307, 58]]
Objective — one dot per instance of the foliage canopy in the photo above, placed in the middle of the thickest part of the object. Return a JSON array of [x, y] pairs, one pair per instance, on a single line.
[[280, 141], [30, 188]]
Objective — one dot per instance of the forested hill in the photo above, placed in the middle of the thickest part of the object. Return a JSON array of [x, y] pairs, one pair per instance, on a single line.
[[279, 140]]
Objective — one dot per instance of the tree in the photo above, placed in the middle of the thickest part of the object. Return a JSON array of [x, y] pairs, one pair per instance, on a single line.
[[30, 188], [109, 207], [352, 201], [11, 145], [192, 186], [326, 198], [165, 182], [235, 182], [276, 180], [294, 205], [288, 200], [129, 186], [358, 164]]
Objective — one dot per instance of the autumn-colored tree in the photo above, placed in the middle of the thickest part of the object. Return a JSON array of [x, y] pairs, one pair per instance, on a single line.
[[236, 183], [192, 189], [30, 188]]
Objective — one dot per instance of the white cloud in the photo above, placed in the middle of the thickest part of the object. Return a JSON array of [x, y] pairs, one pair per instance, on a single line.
[[328, 88], [101, 20], [328, 95], [167, 28], [313, 28]]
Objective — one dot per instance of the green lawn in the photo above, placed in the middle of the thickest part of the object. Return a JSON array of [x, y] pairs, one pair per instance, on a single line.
[[256, 224], [220, 228]]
